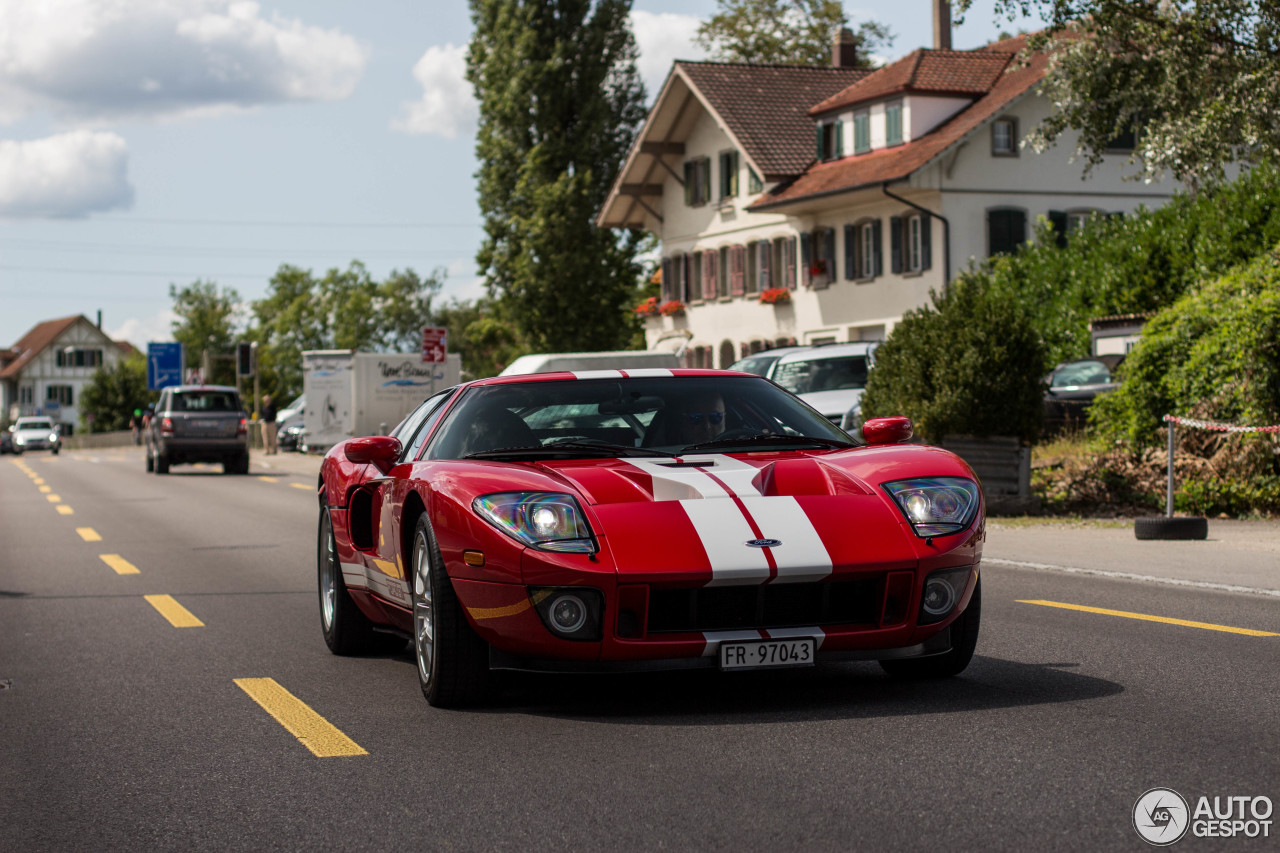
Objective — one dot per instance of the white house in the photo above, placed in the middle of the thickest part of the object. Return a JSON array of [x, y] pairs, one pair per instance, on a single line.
[[812, 205], [45, 372]]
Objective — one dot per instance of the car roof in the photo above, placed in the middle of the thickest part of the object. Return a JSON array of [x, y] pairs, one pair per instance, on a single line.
[[202, 388], [639, 373], [830, 351]]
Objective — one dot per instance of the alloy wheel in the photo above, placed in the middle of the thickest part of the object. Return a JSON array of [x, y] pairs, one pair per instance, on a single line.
[[423, 612]]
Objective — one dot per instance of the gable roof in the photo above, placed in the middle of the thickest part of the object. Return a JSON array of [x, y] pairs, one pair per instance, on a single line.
[[36, 341], [897, 163], [937, 72], [766, 106]]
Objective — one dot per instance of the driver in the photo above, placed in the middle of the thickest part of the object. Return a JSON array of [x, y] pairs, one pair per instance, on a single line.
[[699, 419]]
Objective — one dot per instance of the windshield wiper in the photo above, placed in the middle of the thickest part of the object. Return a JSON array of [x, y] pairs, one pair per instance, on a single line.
[[569, 447], [770, 438]]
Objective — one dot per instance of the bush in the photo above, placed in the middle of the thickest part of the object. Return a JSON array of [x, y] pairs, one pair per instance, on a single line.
[[1214, 354], [970, 364]]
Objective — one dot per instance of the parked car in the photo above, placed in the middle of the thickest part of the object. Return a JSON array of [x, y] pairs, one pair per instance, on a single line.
[[622, 524], [198, 423], [36, 433], [289, 424], [1074, 385], [830, 378], [761, 363], [6, 440]]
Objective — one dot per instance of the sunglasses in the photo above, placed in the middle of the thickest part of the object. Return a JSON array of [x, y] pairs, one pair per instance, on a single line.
[[712, 417]]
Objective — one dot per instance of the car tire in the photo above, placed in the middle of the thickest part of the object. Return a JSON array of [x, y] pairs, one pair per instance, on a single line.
[[1164, 527], [151, 462], [236, 464], [964, 639], [162, 464], [347, 631], [452, 661], [55, 451]]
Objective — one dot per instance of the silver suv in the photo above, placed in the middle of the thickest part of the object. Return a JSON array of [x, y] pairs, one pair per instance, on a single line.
[[830, 378], [199, 423]]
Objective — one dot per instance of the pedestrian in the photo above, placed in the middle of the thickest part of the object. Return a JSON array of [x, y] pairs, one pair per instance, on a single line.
[[135, 424], [269, 424]]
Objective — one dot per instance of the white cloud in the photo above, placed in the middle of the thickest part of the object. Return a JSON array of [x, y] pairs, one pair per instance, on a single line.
[[102, 60], [447, 105], [141, 331], [662, 38], [68, 175]]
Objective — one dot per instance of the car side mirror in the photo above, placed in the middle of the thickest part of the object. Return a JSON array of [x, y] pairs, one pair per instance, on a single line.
[[381, 450], [887, 430]]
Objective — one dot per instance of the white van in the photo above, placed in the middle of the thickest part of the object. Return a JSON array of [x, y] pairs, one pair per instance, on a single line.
[[552, 362]]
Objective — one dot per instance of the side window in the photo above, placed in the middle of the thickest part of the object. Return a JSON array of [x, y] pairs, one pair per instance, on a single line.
[[414, 435]]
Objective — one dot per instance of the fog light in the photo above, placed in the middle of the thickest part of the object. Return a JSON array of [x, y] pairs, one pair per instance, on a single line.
[[938, 597], [568, 613]]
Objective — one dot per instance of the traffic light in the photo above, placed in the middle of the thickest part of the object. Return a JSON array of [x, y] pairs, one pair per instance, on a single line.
[[244, 359]]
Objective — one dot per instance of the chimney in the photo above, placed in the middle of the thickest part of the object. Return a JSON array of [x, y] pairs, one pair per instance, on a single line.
[[99, 318], [844, 50], [941, 25]]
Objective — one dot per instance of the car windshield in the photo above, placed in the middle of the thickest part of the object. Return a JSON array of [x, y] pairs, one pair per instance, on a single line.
[[822, 374], [629, 417], [35, 424], [206, 401], [1081, 373]]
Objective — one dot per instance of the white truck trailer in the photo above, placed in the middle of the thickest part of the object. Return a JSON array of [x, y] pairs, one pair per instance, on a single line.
[[353, 393]]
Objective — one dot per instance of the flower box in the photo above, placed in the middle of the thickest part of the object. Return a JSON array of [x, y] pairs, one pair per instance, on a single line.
[[775, 296], [674, 308], [648, 308]]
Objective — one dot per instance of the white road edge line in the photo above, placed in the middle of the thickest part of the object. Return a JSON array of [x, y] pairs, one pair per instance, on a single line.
[[1130, 576]]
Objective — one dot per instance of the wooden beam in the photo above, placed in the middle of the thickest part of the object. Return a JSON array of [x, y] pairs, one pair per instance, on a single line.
[[637, 190], [660, 148]]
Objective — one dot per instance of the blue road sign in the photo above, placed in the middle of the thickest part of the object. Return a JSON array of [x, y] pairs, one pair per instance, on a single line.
[[164, 365]]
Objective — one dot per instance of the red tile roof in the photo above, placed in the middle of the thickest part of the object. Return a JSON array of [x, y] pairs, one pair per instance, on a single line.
[[34, 341], [942, 72], [766, 107], [893, 164]]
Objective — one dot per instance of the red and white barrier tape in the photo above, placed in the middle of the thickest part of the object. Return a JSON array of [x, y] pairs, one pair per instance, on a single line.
[[1217, 427]]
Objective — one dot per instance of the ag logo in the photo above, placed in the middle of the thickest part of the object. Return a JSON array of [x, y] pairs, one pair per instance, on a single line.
[[1161, 816]]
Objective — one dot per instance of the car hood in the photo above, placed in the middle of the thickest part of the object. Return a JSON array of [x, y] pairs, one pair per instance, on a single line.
[[33, 433], [833, 404]]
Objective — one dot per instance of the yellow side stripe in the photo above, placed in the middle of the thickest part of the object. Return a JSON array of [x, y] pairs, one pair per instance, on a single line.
[[120, 564], [1186, 623], [88, 534], [312, 730], [178, 616]]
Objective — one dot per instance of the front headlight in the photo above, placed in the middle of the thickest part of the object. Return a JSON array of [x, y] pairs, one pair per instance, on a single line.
[[936, 506], [548, 521], [53, 436], [17, 439]]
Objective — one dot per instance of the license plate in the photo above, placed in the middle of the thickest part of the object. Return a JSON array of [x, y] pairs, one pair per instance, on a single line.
[[767, 654], [205, 424]]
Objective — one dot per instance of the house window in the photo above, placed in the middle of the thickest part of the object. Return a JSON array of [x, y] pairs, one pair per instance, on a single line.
[[754, 183], [784, 262], [1006, 230], [1004, 138], [764, 266], [709, 274], [819, 260], [60, 394], [861, 132], [737, 270], [697, 181], [1124, 142], [725, 271], [1067, 223], [830, 140], [910, 243], [893, 123], [74, 357], [694, 280], [862, 250], [26, 395], [728, 174]]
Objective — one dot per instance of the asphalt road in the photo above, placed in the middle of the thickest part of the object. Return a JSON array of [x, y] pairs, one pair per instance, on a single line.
[[120, 730]]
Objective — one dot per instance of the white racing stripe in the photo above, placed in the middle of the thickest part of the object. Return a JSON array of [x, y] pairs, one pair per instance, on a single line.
[[674, 481], [725, 533], [596, 374], [801, 556], [353, 573], [647, 372]]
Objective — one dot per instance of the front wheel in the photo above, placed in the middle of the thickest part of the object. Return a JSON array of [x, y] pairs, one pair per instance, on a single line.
[[151, 462], [964, 639], [347, 631], [453, 663]]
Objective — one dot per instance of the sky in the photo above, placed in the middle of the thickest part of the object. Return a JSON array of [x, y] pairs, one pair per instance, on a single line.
[[149, 143]]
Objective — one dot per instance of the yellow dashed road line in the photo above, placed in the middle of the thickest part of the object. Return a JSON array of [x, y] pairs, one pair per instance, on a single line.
[[46, 489], [39, 481], [269, 479], [88, 534], [178, 616], [120, 564], [63, 509], [54, 499], [1208, 626], [301, 486], [312, 730]]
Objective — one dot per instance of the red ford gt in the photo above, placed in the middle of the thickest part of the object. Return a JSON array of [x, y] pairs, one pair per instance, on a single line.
[[648, 519]]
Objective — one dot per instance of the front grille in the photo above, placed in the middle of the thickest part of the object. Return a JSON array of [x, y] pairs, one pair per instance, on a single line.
[[776, 605]]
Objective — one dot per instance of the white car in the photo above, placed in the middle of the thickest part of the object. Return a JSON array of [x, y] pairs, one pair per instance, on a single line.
[[762, 363], [36, 434], [831, 378]]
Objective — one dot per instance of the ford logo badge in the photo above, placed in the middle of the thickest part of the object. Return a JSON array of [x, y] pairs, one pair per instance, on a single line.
[[764, 543]]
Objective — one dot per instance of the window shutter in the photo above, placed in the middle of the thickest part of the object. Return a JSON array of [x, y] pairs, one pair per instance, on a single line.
[[877, 259], [850, 252], [829, 252], [838, 131], [709, 274], [737, 276], [706, 178], [926, 241], [1058, 219], [806, 254], [689, 177], [666, 279], [821, 153], [895, 244], [751, 278], [733, 173], [765, 265], [789, 261]]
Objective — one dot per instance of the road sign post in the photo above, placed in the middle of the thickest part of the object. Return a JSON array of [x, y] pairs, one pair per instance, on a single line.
[[166, 364], [435, 344]]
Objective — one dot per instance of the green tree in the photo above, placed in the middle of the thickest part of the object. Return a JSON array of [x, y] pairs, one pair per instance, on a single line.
[[482, 334], [1198, 79], [560, 101], [792, 32], [111, 396], [206, 325]]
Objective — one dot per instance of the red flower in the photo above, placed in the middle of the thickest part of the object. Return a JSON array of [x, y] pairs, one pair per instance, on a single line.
[[774, 295], [671, 309], [648, 308]]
